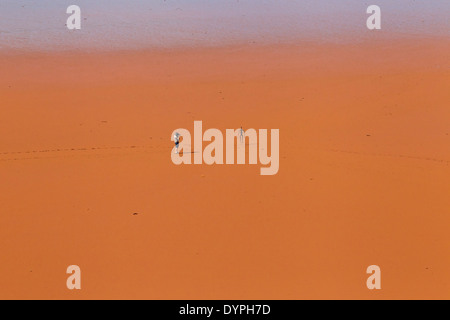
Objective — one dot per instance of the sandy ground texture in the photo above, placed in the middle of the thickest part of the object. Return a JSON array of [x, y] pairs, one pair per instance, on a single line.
[[87, 178]]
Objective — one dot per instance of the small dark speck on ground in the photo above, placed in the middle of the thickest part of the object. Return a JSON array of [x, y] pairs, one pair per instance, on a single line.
[[368, 135], [135, 214]]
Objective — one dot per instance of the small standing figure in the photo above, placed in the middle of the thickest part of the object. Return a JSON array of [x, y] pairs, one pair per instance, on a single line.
[[241, 135], [176, 138]]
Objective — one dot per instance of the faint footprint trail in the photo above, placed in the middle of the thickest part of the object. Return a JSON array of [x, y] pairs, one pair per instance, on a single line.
[[443, 161], [47, 153]]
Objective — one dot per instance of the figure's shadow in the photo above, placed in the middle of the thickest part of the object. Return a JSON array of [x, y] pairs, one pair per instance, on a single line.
[[187, 152]]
